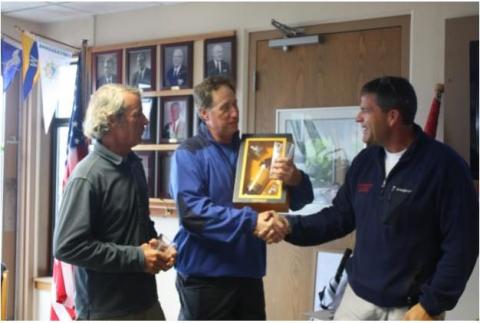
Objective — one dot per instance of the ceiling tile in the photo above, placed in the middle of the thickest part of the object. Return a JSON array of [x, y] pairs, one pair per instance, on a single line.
[[50, 13]]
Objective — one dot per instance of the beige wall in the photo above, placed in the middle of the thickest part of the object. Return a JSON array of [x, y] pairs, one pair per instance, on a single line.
[[427, 32]]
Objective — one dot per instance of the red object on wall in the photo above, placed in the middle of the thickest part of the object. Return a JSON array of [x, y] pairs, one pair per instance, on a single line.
[[432, 120]]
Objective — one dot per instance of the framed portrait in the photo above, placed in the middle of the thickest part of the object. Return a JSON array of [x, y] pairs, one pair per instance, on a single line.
[[141, 67], [149, 107], [176, 118], [220, 57], [326, 141], [107, 68], [148, 162], [177, 65], [163, 176]]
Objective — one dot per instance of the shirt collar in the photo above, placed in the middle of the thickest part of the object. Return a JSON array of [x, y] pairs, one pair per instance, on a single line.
[[107, 154]]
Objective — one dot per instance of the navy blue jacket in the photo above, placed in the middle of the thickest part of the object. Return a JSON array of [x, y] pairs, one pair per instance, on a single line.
[[416, 230], [215, 239]]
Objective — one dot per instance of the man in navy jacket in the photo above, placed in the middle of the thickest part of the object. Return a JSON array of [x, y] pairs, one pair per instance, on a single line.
[[413, 205], [220, 261]]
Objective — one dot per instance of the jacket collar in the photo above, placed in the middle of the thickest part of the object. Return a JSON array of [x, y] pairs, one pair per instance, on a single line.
[[205, 133], [420, 139]]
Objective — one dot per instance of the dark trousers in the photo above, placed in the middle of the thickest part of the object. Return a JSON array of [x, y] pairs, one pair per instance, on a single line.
[[220, 298]]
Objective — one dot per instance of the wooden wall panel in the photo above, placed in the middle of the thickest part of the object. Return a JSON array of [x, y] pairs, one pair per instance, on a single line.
[[328, 74]]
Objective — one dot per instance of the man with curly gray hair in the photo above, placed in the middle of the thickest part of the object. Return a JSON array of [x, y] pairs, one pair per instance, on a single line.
[[104, 228]]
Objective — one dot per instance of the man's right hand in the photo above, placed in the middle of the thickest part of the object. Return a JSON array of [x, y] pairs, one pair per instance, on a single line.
[[156, 260], [271, 227]]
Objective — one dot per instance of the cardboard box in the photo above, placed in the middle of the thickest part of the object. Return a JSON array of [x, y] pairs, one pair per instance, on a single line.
[[253, 185]]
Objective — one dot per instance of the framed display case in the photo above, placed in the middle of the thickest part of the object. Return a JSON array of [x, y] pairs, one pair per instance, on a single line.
[[253, 185]]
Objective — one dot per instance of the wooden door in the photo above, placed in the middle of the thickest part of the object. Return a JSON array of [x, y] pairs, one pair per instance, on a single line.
[[327, 74]]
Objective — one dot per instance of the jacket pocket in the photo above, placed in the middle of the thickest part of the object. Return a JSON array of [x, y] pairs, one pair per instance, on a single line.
[[396, 204]]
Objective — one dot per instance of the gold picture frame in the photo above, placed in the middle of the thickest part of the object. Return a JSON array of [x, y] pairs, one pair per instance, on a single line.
[[253, 185]]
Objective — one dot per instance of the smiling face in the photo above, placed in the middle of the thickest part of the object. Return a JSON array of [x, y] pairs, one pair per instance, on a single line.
[[373, 120], [222, 118]]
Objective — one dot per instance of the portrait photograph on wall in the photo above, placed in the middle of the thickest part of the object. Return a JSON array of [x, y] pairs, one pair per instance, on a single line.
[[149, 107], [141, 67], [220, 57], [177, 65], [148, 162], [176, 118], [107, 68]]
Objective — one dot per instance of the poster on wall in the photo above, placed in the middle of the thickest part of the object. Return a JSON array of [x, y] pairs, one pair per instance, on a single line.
[[326, 141]]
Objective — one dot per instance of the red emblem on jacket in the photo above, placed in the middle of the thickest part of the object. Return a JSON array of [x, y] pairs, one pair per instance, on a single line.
[[364, 187]]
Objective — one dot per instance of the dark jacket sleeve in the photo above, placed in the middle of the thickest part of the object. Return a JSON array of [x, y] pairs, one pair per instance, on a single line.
[[459, 240], [198, 213], [302, 194], [330, 223], [74, 242]]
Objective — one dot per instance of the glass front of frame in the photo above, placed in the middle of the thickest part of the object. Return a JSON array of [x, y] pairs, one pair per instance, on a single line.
[[255, 175], [326, 141]]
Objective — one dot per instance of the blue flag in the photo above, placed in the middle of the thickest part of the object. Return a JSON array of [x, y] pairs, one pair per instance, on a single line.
[[11, 63]]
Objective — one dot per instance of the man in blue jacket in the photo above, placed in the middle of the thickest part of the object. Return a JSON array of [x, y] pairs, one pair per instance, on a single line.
[[220, 261], [412, 202]]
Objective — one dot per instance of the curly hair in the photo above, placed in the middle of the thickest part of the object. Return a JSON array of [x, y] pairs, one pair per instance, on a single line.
[[107, 101], [202, 93]]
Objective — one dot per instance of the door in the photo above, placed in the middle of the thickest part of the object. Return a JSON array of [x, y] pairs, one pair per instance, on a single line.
[[327, 74]]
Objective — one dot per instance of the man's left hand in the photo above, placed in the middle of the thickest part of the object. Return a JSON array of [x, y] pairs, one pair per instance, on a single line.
[[284, 169], [418, 313]]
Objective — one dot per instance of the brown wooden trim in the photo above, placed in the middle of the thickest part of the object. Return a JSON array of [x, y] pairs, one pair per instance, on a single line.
[[162, 207], [336, 27], [165, 41], [155, 147], [43, 283], [167, 93]]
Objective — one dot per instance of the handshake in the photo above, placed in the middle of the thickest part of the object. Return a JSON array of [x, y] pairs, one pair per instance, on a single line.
[[271, 227]]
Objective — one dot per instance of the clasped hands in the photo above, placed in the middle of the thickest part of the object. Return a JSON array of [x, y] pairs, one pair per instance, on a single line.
[[158, 256], [271, 227]]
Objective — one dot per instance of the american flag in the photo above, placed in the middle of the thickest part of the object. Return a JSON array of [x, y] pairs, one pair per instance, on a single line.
[[63, 284], [432, 119]]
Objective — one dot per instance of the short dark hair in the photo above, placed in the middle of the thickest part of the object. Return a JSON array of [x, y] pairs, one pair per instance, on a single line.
[[394, 92], [202, 93]]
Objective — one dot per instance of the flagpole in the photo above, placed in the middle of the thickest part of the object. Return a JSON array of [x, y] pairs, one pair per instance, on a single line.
[[46, 37], [83, 70]]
